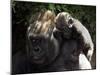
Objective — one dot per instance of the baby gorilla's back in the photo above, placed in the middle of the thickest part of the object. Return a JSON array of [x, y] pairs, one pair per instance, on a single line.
[[70, 55]]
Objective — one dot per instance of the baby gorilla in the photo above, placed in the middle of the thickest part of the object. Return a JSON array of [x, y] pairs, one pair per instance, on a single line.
[[74, 29]]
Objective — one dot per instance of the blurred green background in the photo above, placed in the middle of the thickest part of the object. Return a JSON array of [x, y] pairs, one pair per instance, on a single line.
[[22, 11]]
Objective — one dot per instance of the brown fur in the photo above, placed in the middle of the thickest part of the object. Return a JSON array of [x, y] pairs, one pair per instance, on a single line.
[[43, 22]]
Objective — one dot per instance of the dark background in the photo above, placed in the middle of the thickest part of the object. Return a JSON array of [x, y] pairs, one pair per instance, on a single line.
[[22, 11]]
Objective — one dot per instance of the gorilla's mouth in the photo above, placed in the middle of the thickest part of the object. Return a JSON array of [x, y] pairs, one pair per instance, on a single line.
[[38, 61]]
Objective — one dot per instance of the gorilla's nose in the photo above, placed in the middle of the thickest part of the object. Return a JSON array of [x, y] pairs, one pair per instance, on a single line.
[[37, 49]]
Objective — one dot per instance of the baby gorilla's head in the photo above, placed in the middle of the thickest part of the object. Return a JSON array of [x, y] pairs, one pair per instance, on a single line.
[[64, 20], [63, 23]]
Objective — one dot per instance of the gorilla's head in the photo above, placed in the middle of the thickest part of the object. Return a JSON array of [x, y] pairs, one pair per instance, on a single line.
[[63, 23], [42, 50], [42, 47], [65, 20]]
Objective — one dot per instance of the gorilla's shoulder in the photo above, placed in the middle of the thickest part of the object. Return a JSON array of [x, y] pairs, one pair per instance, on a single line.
[[19, 63]]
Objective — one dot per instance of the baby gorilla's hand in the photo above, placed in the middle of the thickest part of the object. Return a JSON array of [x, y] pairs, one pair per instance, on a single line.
[[89, 54]]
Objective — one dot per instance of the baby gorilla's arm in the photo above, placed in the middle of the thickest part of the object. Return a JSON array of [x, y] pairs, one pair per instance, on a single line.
[[83, 62], [85, 38]]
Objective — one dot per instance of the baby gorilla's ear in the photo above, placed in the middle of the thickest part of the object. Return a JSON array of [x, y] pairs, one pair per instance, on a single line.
[[70, 22]]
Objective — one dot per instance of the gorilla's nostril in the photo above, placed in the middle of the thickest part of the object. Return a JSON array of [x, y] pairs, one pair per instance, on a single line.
[[37, 49]]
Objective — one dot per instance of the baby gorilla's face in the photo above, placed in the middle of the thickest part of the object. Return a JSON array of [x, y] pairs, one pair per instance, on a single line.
[[67, 18], [64, 20], [41, 50], [64, 23]]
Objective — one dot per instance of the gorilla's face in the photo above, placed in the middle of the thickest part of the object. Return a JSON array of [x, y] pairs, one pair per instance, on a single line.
[[64, 20], [41, 50]]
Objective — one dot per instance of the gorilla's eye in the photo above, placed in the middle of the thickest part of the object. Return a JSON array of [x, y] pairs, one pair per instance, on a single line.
[[36, 40], [70, 21]]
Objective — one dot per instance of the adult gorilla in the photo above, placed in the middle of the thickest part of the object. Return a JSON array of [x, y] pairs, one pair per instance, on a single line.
[[45, 53]]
